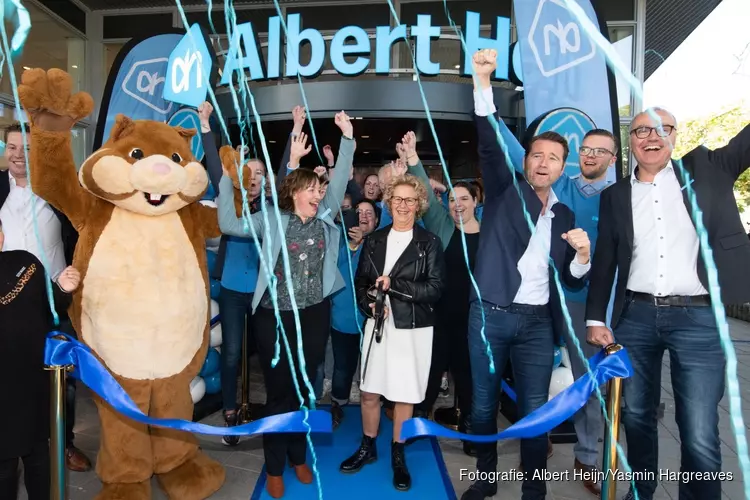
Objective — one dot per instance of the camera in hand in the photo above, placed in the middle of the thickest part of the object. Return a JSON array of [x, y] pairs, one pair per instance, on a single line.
[[351, 219], [378, 314]]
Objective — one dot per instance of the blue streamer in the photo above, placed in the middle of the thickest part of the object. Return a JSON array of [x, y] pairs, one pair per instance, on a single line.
[[545, 418], [19, 39], [733, 386], [474, 284], [91, 372], [22, 30]]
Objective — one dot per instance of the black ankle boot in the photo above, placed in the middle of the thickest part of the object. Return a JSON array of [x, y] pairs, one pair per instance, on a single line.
[[231, 420], [365, 454], [401, 477], [464, 427]]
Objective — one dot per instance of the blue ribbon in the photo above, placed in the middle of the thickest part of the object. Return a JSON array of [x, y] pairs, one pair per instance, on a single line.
[[545, 418], [90, 371]]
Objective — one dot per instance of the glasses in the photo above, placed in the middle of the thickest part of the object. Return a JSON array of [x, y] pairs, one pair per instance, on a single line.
[[410, 202], [365, 213], [597, 152], [643, 132]]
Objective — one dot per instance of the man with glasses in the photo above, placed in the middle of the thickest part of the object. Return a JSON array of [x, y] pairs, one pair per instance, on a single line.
[[647, 233]]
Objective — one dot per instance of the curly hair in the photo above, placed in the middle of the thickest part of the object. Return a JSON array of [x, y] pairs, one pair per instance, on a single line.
[[415, 183]]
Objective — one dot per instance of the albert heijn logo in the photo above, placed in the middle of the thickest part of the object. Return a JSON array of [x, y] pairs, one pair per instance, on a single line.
[[144, 81], [572, 124], [190, 69], [188, 118], [557, 40]]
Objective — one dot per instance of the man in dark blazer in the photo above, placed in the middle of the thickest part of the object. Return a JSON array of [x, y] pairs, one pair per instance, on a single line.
[[18, 211], [662, 302], [517, 294]]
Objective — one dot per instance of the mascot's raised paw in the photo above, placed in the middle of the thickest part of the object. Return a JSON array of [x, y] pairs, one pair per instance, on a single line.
[[46, 97]]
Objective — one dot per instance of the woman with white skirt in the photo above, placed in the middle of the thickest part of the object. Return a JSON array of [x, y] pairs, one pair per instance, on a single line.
[[406, 262]]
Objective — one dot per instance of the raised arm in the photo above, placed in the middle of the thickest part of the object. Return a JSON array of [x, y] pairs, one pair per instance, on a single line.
[[229, 223], [437, 219], [213, 160], [734, 158], [338, 181], [54, 175], [497, 177]]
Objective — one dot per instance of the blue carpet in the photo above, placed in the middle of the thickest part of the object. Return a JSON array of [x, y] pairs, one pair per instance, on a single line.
[[429, 476]]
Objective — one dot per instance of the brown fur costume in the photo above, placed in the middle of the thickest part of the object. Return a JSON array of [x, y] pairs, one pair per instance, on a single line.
[[142, 306]]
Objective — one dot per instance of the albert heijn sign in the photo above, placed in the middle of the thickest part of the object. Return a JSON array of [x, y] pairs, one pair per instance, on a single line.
[[191, 62]]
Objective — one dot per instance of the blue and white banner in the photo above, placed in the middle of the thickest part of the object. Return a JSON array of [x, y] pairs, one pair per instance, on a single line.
[[136, 84], [565, 76]]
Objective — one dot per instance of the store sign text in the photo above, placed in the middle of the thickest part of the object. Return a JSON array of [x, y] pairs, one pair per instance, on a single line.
[[244, 52]]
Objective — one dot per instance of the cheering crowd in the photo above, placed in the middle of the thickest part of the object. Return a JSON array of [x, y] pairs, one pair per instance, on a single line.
[[409, 279]]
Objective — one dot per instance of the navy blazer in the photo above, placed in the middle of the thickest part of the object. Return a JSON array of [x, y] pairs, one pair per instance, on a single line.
[[69, 234], [505, 232]]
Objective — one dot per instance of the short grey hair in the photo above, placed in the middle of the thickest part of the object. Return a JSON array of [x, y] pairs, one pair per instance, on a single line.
[[654, 109]]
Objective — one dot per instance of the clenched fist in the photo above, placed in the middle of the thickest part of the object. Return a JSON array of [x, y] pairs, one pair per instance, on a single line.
[[579, 240], [484, 64]]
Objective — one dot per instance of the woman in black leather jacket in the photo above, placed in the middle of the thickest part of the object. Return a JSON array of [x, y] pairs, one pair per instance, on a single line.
[[406, 261]]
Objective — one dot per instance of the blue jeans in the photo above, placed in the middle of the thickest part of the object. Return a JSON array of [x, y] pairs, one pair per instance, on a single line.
[[523, 334], [697, 364], [345, 361], [234, 308]]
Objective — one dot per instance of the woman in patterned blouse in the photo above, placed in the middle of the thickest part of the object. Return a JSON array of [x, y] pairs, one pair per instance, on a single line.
[[25, 321], [302, 244]]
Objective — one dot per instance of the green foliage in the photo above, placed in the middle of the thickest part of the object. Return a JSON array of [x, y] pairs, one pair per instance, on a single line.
[[715, 131]]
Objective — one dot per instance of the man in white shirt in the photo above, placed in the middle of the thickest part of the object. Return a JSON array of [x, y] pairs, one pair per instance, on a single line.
[[647, 233], [521, 306], [53, 247]]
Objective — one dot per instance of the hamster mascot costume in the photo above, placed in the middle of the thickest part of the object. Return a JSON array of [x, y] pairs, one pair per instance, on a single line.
[[142, 306]]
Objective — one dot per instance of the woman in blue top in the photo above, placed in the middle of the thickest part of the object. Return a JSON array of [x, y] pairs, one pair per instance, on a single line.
[[312, 239], [450, 348]]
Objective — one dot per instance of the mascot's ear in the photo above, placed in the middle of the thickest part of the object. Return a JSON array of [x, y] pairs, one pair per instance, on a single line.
[[186, 133], [229, 158], [123, 127]]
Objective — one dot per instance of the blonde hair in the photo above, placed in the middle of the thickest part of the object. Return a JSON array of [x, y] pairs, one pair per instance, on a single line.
[[413, 182]]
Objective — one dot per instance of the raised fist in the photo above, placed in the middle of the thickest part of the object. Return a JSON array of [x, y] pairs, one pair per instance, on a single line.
[[46, 97], [484, 62], [204, 112], [345, 124]]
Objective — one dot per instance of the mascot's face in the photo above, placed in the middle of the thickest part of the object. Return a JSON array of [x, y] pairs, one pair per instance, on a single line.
[[145, 167], [252, 172]]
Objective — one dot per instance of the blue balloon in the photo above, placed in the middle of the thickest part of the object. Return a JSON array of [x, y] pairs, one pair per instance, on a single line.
[[215, 288], [558, 358], [213, 383], [211, 364]]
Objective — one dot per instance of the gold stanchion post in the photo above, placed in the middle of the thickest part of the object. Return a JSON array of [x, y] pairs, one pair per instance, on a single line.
[[244, 413], [612, 434], [57, 430]]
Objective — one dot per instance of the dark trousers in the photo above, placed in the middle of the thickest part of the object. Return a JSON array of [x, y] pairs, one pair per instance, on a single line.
[[523, 334], [236, 308], [36, 472], [697, 363], [281, 394], [345, 359], [70, 390], [450, 352]]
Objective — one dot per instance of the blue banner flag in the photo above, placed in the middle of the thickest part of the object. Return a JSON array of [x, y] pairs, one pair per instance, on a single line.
[[190, 70], [564, 75], [136, 82], [88, 369]]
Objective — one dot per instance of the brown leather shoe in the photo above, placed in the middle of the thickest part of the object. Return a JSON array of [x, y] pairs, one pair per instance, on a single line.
[[76, 461], [275, 486], [304, 474], [589, 478]]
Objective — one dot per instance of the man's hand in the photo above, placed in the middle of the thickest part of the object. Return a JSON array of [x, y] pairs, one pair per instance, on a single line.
[[328, 153], [599, 335], [579, 240], [343, 122], [204, 113], [298, 117], [356, 235], [385, 280], [484, 64], [298, 150], [69, 279]]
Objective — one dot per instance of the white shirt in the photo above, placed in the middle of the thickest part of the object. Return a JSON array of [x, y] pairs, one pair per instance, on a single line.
[[18, 227], [534, 263], [665, 243]]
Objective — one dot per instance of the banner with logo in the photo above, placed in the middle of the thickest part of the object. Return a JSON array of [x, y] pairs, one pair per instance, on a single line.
[[568, 87], [136, 84]]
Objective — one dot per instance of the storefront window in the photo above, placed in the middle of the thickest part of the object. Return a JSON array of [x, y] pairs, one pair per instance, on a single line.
[[49, 45], [110, 54], [623, 41]]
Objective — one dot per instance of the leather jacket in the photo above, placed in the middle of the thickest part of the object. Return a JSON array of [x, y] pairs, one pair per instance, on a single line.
[[417, 278]]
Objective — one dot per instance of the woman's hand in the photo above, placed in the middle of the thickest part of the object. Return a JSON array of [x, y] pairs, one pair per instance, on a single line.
[[298, 118], [299, 149], [69, 279], [343, 122], [385, 310], [385, 280]]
